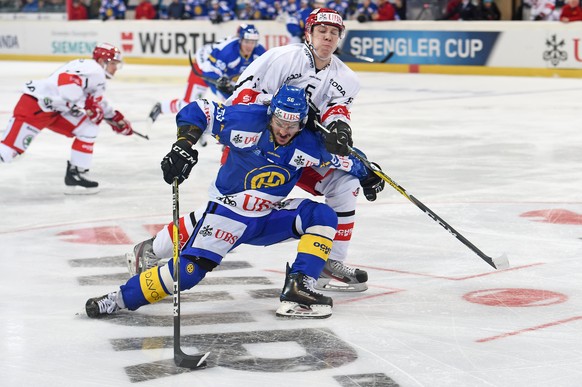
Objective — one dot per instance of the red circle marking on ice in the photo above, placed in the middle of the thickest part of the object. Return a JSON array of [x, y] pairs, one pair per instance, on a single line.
[[515, 297]]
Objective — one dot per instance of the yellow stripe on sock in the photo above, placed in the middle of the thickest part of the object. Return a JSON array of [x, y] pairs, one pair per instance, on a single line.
[[315, 245], [151, 285]]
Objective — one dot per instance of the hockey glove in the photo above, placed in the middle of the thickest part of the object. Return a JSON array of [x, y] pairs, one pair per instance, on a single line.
[[338, 140], [224, 85], [372, 184], [119, 124], [93, 110], [179, 162]]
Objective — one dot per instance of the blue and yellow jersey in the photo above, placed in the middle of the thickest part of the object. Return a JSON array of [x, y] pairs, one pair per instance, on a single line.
[[258, 173]]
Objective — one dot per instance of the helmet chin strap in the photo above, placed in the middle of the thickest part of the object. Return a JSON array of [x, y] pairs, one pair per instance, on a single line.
[[314, 51]]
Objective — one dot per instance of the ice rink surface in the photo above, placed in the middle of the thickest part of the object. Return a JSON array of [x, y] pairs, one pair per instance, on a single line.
[[499, 158]]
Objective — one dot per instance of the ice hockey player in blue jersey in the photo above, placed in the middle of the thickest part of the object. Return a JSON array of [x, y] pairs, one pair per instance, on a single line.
[[230, 58], [247, 202]]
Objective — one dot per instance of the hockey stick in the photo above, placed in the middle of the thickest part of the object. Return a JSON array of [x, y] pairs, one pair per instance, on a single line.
[[180, 358], [142, 135], [497, 263], [366, 58]]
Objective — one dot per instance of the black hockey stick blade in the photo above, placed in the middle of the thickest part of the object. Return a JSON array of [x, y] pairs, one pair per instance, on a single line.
[[387, 57], [144, 136], [190, 361]]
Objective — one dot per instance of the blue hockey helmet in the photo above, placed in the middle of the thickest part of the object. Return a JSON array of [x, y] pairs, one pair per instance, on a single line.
[[248, 32], [290, 104]]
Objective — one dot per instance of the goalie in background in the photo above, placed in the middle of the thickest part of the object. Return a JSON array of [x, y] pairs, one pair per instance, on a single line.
[[269, 150], [69, 102]]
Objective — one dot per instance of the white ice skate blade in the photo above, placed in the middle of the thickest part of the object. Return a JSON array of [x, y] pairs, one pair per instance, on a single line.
[[336, 286], [78, 190], [294, 310]]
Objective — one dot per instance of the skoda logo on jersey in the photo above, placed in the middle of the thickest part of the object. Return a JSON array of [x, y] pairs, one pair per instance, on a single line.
[[266, 177], [292, 76]]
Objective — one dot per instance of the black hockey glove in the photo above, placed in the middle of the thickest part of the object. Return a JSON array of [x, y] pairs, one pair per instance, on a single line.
[[224, 85], [179, 162], [339, 139], [372, 184]]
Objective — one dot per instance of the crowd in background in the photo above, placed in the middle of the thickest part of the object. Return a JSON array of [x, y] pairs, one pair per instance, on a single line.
[[218, 11]]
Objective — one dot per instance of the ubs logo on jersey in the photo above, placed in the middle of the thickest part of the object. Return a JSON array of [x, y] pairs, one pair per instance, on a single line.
[[243, 139], [226, 236], [301, 159], [266, 177]]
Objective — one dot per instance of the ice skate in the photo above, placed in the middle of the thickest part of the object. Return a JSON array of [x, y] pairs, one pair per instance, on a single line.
[[300, 300], [341, 278], [142, 258], [76, 181], [108, 304], [155, 112]]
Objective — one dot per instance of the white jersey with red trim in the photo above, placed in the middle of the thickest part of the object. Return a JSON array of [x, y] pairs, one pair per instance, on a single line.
[[331, 89], [69, 86]]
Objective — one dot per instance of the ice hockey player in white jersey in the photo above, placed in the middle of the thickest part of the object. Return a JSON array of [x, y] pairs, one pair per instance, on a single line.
[[331, 88], [247, 202], [215, 65], [69, 102]]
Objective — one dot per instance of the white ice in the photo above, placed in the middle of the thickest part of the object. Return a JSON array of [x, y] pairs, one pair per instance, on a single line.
[[481, 152]]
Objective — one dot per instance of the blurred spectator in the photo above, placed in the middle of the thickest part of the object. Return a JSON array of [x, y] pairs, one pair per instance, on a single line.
[[291, 6], [250, 11], [296, 22], [386, 11], [219, 12], [112, 10], [78, 11], [340, 6], [400, 7], [197, 9], [460, 10], [571, 11], [542, 10], [488, 10], [145, 10], [176, 10], [94, 7], [32, 6], [54, 6], [365, 11]]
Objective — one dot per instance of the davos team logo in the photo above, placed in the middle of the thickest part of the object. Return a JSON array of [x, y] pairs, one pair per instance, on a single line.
[[206, 231], [301, 159], [555, 54], [266, 177]]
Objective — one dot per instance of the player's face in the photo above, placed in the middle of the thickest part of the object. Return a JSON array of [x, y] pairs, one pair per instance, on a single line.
[[112, 66], [247, 46], [325, 39], [283, 131]]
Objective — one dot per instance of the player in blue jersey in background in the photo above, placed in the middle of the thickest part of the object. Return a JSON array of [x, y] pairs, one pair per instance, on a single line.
[[247, 202], [216, 65], [230, 58]]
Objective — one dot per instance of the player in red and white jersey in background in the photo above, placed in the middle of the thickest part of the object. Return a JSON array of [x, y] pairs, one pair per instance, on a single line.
[[69, 102], [331, 87]]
